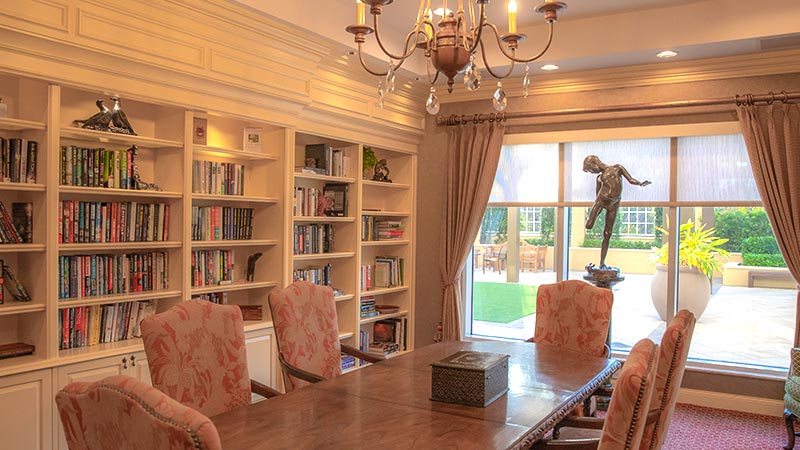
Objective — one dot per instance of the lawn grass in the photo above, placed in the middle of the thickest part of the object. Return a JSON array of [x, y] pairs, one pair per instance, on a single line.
[[502, 302]]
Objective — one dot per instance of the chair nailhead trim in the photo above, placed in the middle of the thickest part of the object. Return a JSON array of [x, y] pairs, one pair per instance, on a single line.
[[639, 398], [667, 384]]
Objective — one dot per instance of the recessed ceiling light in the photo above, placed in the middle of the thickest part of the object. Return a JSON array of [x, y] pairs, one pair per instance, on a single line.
[[667, 54], [439, 11], [550, 67]]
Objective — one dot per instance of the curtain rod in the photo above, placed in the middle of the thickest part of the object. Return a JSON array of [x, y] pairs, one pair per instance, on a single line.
[[746, 99]]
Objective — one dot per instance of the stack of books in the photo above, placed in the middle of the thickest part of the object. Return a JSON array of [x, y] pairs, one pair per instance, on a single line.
[[348, 361], [368, 307]]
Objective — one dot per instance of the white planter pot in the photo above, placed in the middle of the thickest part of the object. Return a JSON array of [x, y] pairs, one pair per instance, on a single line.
[[694, 290]]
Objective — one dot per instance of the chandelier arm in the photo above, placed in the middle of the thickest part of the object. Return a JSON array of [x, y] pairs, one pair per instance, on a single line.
[[513, 57], [489, 68], [479, 32], [364, 64], [408, 39]]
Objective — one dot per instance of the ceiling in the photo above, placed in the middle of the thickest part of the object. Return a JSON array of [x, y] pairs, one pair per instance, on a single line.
[[590, 34]]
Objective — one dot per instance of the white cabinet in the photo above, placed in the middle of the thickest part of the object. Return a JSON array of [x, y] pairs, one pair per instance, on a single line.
[[25, 400], [130, 364], [262, 357]]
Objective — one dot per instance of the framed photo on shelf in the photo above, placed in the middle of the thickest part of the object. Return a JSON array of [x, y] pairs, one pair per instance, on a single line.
[[252, 140], [200, 131]]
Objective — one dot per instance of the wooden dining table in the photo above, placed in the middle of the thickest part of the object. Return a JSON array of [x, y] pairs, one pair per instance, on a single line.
[[387, 405]]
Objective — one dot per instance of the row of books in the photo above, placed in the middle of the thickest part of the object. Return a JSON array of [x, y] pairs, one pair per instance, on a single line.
[[322, 159], [82, 222], [84, 326], [18, 160], [222, 178], [380, 229], [316, 275], [368, 307], [313, 238], [215, 223], [16, 227], [220, 298], [348, 362], [93, 275], [386, 272], [97, 167], [330, 201], [212, 267]]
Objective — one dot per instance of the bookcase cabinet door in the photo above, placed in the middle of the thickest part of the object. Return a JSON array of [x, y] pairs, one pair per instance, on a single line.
[[27, 403], [261, 357]]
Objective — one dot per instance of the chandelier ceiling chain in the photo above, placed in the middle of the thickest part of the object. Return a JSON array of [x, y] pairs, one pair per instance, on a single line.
[[451, 49]]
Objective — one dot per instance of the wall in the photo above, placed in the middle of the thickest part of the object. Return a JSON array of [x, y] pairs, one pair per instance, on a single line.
[[433, 158]]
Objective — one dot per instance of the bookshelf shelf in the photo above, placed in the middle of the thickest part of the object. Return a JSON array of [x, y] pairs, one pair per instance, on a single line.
[[316, 256], [22, 248], [386, 242], [343, 336], [385, 213], [11, 124], [328, 178], [381, 184], [12, 307], [341, 298], [22, 187], [237, 286], [384, 291], [112, 192], [383, 316], [116, 246], [117, 298], [233, 198], [78, 354], [205, 150], [234, 243], [117, 139], [19, 364], [396, 354], [323, 219]]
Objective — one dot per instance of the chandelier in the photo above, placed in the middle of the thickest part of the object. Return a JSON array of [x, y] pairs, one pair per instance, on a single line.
[[451, 50]]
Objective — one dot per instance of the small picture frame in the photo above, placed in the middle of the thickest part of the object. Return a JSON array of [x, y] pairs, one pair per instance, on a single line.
[[252, 140], [200, 131]]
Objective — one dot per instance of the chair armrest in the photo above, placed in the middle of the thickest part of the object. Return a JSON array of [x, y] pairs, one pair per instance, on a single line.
[[567, 444], [298, 373], [593, 423], [263, 390], [794, 370], [352, 351]]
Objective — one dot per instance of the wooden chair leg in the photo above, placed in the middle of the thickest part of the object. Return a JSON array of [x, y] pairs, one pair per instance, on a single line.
[[789, 417]]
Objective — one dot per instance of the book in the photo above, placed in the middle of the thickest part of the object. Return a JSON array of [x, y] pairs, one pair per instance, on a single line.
[[199, 130], [14, 286], [336, 193], [251, 312], [252, 140], [22, 218], [16, 349]]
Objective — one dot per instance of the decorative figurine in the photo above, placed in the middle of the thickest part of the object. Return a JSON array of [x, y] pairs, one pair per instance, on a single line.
[[609, 192], [381, 172], [251, 265], [120, 120], [102, 120], [136, 180]]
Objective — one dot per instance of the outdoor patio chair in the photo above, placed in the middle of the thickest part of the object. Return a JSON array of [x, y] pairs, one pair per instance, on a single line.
[[496, 260]]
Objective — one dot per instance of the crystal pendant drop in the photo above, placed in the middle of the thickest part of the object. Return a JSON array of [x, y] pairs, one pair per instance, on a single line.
[[432, 105], [499, 100], [472, 75], [526, 82], [381, 92], [390, 77]]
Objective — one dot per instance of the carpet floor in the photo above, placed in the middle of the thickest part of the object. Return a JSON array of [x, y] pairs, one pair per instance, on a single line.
[[699, 428]]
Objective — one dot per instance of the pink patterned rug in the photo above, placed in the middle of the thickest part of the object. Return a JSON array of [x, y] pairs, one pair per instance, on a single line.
[[699, 428]]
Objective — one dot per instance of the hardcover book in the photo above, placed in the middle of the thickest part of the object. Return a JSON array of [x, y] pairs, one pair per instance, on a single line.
[[14, 286], [16, 349], [22, 218], [317, 158]]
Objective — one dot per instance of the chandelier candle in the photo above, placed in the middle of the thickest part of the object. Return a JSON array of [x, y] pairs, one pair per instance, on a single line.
[[451, 45]]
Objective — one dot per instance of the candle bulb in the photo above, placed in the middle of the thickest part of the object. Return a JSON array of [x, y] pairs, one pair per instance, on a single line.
[[360, 12], [512, 16]]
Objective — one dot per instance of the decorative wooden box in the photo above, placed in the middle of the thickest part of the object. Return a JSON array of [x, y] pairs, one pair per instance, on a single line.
[[470, 378]]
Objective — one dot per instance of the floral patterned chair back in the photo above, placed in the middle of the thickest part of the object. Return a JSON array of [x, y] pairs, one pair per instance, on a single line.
[[627, 412], [674, 350], [196, 352], [306, 330], [573, 315], [124, 413]]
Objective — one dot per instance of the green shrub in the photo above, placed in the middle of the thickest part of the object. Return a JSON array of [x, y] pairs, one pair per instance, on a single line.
[[619, 243], [736, 224], [762, 251], [539, 241], [763, 260]]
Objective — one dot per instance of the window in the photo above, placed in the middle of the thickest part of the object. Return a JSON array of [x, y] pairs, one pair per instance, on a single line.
[[538, 207]]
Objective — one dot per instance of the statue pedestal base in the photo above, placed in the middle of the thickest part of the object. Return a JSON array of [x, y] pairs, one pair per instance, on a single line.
[[604, 277]]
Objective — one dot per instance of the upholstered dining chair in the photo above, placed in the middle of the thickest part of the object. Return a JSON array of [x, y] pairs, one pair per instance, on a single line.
[[196, 353], [573, 315], [791, 398], [307, 334], [124, 413], [625, 421]]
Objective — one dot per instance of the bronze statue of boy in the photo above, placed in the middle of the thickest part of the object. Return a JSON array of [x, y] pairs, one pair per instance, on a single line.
[[609, 191]]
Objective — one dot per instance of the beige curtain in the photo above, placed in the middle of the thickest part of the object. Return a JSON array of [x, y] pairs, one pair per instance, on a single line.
[[473, 151], [772, 135]]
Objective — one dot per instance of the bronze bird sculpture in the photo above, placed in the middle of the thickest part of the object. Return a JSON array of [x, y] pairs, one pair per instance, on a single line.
[[120, 120], [100, 121]]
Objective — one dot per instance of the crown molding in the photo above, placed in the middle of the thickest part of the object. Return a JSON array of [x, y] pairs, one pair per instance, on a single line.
[[756, 64]]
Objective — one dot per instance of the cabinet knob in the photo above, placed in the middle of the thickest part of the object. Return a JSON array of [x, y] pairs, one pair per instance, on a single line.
[[133, 360], [124, 363]]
